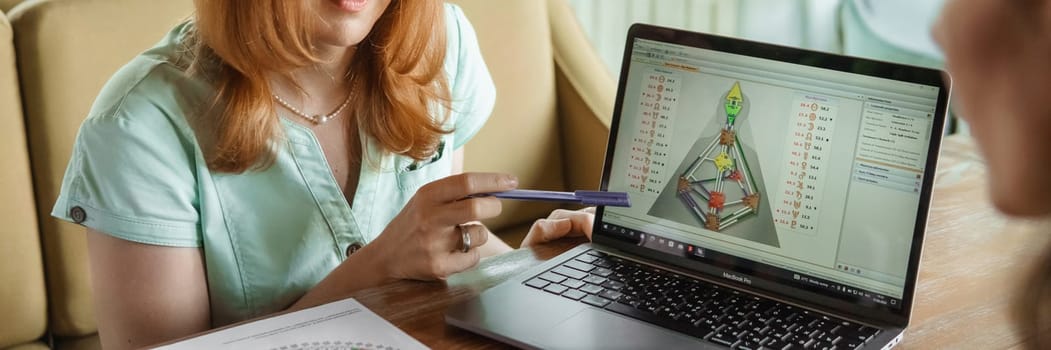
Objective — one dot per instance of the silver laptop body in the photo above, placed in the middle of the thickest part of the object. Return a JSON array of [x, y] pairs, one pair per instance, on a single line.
[[779, 200]]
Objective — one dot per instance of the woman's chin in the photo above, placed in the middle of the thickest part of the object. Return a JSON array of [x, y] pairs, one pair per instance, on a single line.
[[342, 43], [345, 34], [345, 23], [1026, 204]]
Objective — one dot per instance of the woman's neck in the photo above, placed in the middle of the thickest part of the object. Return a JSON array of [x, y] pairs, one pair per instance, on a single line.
[[331, 73], [323, 85]]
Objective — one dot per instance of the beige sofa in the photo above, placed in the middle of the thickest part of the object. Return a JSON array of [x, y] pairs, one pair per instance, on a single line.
[[6, 5], [23, 302], [554, 97]]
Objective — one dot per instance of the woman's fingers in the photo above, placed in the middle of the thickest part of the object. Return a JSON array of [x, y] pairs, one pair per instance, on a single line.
[[546, 230], [425, 239], [561, 223], [563, 213], [458, 262], [478, 236], [582, 221], [460, 186], [470, 209]]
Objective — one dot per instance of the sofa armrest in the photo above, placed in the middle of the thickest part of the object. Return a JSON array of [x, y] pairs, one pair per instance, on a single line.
[[585, 98]]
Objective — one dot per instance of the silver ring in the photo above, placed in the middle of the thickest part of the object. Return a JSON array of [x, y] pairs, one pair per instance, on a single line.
[[466, 237]]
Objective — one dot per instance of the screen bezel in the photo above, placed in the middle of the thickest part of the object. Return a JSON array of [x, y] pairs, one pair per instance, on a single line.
[[932, 77]]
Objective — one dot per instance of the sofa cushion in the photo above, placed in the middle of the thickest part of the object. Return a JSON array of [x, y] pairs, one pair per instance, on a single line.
[[67, 49], [522, 136], [29, 346], [23, 308], [586, 92], [7, 5], [88, 342]]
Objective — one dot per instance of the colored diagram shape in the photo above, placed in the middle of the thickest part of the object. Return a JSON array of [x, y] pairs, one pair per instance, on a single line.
[[719, 171]]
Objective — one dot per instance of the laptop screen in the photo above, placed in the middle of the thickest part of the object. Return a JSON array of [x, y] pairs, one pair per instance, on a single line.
[[791, 173]]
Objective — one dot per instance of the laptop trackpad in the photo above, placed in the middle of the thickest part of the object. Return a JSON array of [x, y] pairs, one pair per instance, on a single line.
[[594, 329]]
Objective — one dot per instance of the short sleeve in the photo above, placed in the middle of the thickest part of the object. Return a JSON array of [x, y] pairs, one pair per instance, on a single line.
[[132, 176], [473, 91]]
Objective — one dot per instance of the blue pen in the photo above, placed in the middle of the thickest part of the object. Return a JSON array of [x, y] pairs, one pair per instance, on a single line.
[[616, 199]]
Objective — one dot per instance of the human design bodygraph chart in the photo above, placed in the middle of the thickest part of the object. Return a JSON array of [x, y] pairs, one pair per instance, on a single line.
[[727, 171], [718, 184]]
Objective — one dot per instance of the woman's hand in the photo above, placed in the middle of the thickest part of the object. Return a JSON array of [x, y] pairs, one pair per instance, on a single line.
[[424, 241], [561, 223]]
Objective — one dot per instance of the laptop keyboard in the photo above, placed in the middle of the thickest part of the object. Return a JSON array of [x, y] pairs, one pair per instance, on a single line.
[[718, 314]]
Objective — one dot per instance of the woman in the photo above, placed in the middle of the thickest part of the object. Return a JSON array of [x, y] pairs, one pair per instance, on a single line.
[[998, 53], [273, 154]]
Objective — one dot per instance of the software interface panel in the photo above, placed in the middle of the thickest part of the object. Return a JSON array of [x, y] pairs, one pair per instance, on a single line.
[[802, 168]]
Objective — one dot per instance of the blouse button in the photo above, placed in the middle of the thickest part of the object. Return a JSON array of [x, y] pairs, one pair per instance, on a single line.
[[353, 248], [77, 214]]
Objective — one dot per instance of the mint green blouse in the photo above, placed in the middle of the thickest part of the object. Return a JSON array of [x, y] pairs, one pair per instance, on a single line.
[[137, 173]]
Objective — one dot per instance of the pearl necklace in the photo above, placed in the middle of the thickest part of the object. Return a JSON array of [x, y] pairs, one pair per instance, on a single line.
[[319, 118]]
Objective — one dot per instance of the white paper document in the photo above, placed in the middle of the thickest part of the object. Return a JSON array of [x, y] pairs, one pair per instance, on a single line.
[[340, 325]]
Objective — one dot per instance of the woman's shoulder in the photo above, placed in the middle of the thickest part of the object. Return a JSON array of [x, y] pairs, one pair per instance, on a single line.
[[453, 12], [461, 42], [472, 89], [458, 27], [155, 84]]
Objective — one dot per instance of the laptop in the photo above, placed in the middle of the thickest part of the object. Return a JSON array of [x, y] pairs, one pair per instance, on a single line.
[[779, 199]]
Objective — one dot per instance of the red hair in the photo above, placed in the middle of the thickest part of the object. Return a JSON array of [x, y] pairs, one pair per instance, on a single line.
[[396, 73]]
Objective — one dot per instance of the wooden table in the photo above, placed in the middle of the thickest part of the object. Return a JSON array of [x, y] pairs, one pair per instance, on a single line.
[[973, 260]]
